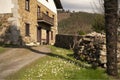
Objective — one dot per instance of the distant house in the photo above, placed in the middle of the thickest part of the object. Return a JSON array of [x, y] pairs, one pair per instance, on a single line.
[[26, 22]]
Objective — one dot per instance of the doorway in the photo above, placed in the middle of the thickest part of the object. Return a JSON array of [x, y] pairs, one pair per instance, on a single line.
[[47, 37], [39, 34]]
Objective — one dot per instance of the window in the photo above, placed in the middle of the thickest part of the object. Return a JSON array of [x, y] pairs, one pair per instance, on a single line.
[[27, 5], [53, 16], [47, 12], [27, 29], [38, 11]]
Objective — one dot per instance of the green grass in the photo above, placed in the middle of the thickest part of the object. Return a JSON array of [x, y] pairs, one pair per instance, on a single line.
[[2, 50], [59, 65]]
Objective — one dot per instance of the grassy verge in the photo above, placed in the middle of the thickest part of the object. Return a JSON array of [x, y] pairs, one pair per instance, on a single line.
[[59, 65], [2, 50]]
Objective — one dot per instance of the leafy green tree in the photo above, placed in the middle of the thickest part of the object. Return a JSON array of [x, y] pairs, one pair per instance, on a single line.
[[99, 23]]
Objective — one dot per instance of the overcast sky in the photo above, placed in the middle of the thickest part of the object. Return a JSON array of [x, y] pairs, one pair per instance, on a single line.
[[81, 5]]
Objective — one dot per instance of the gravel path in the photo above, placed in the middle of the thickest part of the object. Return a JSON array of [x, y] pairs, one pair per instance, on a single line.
[[16, 58]]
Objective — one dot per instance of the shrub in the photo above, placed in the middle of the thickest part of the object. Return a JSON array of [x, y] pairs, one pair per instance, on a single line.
[[81, 33], [99, 24], [0, 23]]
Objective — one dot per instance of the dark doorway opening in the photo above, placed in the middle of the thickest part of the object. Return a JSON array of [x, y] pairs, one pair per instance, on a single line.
[[47, 36], [39, 34]]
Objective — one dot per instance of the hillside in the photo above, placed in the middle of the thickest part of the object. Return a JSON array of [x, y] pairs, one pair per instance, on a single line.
[[63, 15], [76, 22]]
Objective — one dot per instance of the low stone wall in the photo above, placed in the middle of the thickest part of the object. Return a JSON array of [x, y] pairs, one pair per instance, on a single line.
[[4, 25], [9, 34], [90, 47], [4, 21]]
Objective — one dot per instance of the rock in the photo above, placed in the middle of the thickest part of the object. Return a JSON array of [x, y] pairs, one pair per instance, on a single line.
[[103, 59], [103, 53], [93, 48], [33, 44]]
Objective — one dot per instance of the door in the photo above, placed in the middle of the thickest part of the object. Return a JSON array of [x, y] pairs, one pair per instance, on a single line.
[[39, 34], [47, 36]]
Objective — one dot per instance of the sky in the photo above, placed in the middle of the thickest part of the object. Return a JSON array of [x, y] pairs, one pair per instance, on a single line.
[[81, 5]]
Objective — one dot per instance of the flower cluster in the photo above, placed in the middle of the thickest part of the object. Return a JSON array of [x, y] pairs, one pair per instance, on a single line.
[[56, 67]]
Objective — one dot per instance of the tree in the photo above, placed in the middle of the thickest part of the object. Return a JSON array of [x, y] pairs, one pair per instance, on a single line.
[[111, 23], [99, 23]]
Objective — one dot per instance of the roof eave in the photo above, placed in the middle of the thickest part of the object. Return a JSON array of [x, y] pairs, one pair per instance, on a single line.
[[58, 4]]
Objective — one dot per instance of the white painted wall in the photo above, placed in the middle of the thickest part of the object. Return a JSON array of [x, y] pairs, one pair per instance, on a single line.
[[50, 4], [6, 6]]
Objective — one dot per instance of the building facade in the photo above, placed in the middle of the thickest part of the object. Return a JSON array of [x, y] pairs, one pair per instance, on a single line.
[[28, 22]]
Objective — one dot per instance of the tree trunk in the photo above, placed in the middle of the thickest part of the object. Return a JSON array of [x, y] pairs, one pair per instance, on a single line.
[[111, 23]]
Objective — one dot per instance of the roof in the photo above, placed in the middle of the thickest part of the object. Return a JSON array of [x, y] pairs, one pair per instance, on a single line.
[[58, 4]]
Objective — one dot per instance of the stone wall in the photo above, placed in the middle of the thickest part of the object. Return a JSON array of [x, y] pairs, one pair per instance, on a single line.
[[9, 34], [90, 47], [29, 17], [53, 28], [4, 22], [19, 17], [5, 28]]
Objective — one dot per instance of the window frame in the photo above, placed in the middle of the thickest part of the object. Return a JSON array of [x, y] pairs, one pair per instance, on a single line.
[[38, 10], [27, 29], [27, 5]]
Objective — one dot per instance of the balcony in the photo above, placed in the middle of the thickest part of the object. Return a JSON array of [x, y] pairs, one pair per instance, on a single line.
[[44, 18]]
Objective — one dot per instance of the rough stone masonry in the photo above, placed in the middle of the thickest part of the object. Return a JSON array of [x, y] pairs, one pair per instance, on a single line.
[[90, 47]]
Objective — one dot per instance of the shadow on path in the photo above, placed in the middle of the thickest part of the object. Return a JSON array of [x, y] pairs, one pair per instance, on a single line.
[[78, 63]]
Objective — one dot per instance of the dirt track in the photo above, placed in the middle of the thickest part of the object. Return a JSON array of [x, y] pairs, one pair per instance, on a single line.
[[16, 58]]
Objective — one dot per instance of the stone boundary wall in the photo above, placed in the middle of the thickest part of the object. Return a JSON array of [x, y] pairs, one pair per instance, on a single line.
[[9, 34], [90, 47], [4, 24], [4, 18]]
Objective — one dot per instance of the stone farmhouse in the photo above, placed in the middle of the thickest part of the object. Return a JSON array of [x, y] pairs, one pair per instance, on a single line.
[[28, 22]]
